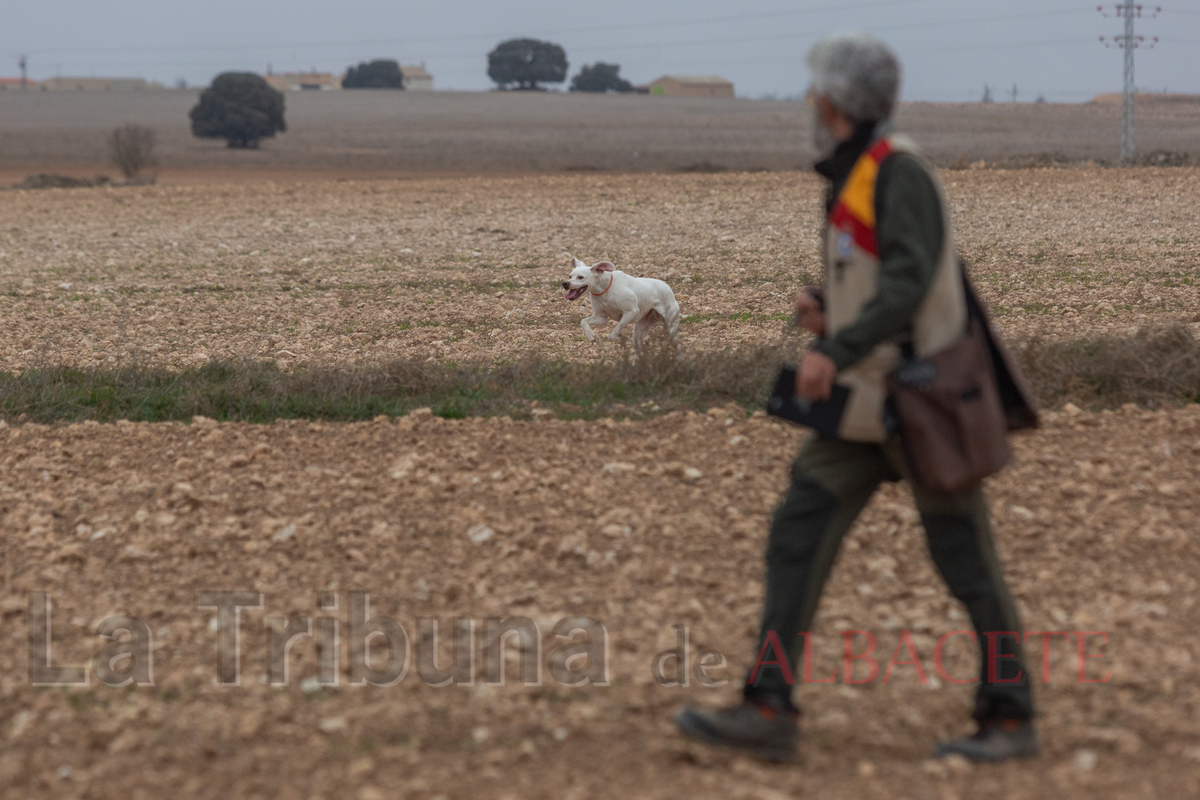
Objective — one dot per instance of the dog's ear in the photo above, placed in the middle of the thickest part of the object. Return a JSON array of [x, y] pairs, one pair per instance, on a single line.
[[603, 266], [576, 263]]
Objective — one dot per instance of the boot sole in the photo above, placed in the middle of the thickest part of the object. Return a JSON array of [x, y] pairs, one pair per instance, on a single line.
[[688, 727], [987, 759]]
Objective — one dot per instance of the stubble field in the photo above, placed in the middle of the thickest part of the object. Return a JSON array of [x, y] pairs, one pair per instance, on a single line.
[[357, 133], [640, 525], [356, 271]]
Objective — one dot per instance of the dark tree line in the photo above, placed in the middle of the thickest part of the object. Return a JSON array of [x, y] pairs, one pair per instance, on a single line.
[[243, 109], [600, 77], [381, 73], [528, 63]]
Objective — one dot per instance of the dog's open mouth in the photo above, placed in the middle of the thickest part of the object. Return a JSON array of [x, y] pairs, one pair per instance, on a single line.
[[574, 294]]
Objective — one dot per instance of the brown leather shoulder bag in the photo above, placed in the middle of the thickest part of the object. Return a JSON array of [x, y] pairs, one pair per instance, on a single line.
[[955, 407]]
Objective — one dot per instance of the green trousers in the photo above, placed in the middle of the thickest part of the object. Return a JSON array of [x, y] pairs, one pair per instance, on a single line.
[[832, 480]]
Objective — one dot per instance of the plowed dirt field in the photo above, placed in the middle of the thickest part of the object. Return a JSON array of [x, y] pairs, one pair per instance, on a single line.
[[353, 272], [481, 518], [638, 526]]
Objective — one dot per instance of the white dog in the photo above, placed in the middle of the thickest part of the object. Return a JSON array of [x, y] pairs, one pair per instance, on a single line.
[[624, 298]]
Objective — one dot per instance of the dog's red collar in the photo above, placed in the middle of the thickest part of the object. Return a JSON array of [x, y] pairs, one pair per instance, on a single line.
[[610, 283]]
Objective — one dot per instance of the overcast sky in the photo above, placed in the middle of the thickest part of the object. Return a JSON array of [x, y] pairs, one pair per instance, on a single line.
[[949, 48]]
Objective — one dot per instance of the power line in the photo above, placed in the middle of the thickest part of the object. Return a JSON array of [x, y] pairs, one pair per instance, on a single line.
[[795, 58], [641, 25], [999, 46], [689, 42], [579, 29], [743, 17], [797, 36], [908, 52], [810, 34]]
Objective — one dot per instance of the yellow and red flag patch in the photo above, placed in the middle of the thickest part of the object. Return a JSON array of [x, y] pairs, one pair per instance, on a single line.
[[854, 211]]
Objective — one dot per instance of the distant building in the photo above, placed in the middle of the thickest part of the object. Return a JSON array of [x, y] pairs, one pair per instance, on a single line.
[[689, 86], [1148, 97], [417, 78], [300, 81], [63, 84], [7, 84]]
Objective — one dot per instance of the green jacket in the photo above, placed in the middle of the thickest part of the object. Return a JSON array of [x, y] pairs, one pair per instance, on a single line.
[[910, 235]]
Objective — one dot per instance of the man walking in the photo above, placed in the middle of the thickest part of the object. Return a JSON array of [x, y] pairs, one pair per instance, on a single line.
[[892, 281]]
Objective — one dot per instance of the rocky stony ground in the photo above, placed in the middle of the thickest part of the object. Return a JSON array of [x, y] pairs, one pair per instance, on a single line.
[[638, 526], [634, 530], [363, 272]]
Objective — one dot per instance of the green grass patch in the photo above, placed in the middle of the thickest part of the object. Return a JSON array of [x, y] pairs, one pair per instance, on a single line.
[[1154, 367], [259, 392]]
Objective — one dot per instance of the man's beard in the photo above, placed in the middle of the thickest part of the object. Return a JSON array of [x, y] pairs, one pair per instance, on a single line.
[[823, 139]]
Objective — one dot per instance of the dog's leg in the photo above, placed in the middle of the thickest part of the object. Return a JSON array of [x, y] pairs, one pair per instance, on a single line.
[[626, 318], [594, 319], [671, 320], [640, 329]]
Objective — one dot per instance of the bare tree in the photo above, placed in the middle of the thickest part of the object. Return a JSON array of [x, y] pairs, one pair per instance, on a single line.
[[131, 148]]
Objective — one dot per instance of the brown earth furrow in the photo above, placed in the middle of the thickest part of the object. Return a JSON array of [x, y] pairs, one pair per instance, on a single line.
[[1095, 521]]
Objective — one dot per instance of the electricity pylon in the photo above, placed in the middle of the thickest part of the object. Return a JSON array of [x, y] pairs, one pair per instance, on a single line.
[[1128, 41]]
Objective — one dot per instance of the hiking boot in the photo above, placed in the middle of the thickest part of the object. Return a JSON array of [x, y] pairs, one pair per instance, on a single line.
[[761, 728], [996, 740]]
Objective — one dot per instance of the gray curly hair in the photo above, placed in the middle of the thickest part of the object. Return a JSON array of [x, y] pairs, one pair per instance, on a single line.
[[858, 73]]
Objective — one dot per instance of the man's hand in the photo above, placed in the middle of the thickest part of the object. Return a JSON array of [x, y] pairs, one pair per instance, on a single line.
[[814, 379], [809, 313]]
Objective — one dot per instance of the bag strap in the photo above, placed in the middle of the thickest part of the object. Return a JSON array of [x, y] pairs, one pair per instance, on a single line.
[[1015, 394]]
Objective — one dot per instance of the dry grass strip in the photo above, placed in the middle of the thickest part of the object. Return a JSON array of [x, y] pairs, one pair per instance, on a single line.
[[1157, 366]]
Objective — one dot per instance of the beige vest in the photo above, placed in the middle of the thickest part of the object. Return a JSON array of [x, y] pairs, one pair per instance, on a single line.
[[851, 281]]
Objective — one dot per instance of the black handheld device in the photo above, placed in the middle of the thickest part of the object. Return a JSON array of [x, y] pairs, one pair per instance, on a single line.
[[823, 416]]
